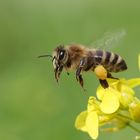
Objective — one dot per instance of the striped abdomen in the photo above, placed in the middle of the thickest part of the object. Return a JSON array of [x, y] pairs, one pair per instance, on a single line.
[[111, 61]]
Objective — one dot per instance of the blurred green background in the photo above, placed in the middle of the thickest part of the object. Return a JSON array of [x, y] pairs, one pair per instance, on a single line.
[[32, 105]]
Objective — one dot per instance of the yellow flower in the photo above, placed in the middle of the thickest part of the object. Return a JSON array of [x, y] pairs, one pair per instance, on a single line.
[[89, 121], [116, 105], [119, 94], [110, 102]]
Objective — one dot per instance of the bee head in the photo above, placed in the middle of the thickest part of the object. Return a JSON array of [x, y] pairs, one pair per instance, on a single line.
[[60, 57]]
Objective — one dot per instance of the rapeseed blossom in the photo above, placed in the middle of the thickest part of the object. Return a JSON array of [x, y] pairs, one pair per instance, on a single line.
[[117, 106]]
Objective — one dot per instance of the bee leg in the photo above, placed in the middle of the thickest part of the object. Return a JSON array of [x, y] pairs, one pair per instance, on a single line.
[[78, 73], [81, 81], [104, 83], [109, 75], [79, 77]]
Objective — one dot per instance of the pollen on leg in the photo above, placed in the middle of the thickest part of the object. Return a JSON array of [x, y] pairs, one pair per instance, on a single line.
[[100, 72]]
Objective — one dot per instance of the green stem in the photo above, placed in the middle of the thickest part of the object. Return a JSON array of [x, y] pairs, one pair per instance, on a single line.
[[130, 125], [134, 128], [125, 117]]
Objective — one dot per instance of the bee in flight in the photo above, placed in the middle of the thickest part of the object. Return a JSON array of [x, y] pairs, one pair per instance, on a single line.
[[80, 58]]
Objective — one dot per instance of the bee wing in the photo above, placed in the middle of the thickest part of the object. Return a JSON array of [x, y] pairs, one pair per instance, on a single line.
[[109, 40]]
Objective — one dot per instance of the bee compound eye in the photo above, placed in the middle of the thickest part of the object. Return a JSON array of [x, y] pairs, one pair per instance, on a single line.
[[61, 54]]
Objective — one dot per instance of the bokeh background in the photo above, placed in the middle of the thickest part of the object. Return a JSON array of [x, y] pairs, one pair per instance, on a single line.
[[32, 105]]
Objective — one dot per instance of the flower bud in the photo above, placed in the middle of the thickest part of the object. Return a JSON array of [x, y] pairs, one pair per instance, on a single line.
[[134, 109]]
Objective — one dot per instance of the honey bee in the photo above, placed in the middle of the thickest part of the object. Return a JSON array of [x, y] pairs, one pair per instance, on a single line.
[[80, 58]]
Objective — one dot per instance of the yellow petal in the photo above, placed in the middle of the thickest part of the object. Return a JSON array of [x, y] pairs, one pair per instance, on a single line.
[[125, 99], [110, 102], [133, 82], [93, 104], [127, 95], [113, 81], [100, 92], [126, 89], [80, 121], [92, 124]]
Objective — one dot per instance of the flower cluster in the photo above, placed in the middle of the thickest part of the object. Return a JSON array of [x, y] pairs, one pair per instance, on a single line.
[[115, 106]]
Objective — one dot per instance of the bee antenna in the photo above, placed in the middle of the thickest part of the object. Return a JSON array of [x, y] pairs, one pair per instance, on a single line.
[[46, 55]]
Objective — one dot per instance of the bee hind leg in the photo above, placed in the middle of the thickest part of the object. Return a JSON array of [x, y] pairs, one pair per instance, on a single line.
[[109, 75], [104, 83]]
